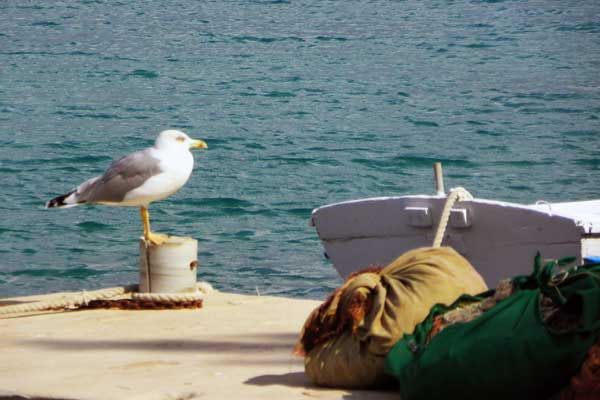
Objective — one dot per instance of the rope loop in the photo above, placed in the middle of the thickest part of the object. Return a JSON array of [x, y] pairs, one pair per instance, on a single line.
[[82, 299], [169, 297], [456, 194]]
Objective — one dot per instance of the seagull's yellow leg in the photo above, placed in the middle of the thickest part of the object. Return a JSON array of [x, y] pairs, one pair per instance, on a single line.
[[145, 221], [154, 238]]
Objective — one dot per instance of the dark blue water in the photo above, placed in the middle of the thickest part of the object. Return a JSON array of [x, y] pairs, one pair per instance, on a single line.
[[302, 103]]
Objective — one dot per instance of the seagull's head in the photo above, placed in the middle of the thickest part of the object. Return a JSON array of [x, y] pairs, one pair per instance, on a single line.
[[173, 139]]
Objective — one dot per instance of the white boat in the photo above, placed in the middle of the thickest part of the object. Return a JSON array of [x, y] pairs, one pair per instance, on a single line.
[[500, 239]]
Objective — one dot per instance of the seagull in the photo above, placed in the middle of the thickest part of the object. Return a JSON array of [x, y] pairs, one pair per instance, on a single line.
[[139, 178]]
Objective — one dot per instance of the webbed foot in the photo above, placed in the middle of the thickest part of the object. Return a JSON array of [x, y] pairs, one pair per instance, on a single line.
[[156, 238]]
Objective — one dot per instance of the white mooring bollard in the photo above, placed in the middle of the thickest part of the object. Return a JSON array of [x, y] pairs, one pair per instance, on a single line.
[[170, 267]]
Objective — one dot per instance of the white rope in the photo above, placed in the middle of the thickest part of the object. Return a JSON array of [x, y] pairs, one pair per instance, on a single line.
[[172, 297], [202, 288], [456, 194], [68, 301], [74, 300]]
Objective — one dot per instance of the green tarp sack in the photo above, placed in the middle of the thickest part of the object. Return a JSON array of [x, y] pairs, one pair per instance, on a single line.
[[511, 351]]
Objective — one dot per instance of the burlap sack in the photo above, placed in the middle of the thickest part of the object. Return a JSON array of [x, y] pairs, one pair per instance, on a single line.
[[346, 339]]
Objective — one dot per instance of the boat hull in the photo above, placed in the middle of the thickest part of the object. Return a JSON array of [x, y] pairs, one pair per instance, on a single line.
[[499, 239]]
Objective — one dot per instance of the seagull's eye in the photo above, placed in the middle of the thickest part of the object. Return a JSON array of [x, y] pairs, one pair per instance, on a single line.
[[180, 139]]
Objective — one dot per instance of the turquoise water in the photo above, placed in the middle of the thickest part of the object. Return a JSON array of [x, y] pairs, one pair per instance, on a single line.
[[302, 103]]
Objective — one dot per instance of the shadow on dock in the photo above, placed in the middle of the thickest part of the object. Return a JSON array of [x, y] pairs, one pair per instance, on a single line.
[[300, 380], [242, 343], [292, 379], [16, 397], [4, 303]]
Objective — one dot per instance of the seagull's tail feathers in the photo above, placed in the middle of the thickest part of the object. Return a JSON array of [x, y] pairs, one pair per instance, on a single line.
[[74, 197]]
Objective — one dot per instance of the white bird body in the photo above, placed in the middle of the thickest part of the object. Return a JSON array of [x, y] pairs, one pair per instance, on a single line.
[[139, 178], [176, 165]]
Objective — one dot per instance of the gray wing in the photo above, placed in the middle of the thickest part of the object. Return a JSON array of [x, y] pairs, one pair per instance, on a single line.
[[121, 177]]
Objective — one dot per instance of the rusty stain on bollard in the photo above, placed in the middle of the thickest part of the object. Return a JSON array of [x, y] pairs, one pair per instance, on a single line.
[[193, 264]]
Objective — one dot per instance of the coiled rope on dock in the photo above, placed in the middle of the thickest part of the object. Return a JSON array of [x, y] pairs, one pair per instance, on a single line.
[[125, 297], [456, 194]]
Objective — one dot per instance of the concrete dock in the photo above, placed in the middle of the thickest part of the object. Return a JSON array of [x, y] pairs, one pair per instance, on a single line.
[[235, 347]]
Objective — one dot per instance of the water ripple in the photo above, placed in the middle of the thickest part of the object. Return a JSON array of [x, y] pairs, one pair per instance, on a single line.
[[143, 73], [246, 39]]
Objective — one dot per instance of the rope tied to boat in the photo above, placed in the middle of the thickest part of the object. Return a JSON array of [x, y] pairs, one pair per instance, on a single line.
[[456, 194], [123, 297]]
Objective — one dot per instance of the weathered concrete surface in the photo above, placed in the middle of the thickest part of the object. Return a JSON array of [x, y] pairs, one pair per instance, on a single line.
[[236, 347]]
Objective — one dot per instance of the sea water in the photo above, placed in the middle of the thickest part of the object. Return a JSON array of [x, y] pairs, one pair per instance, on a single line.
[[302, 103]]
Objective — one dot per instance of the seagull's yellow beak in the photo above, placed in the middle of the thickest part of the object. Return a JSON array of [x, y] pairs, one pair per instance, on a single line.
[[198, 144]]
